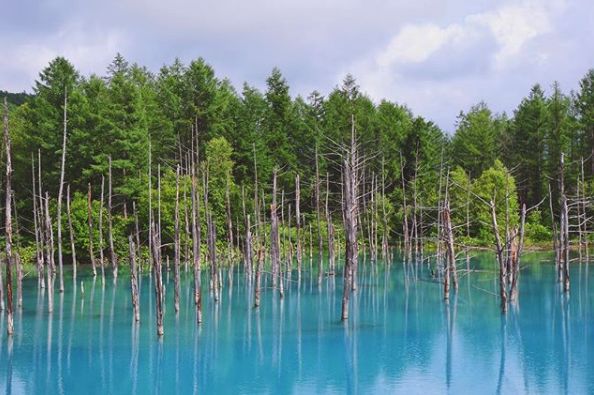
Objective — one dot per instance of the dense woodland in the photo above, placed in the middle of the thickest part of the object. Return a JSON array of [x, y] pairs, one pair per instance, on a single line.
[[162, 159]]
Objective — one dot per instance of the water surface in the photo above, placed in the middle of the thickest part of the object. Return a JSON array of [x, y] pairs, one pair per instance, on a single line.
[[401, 337]]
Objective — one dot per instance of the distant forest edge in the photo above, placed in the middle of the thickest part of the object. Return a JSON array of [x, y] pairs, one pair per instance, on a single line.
[[131, 123], [15, 99]]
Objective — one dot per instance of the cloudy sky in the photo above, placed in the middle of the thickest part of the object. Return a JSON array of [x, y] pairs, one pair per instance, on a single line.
[[437, 56]]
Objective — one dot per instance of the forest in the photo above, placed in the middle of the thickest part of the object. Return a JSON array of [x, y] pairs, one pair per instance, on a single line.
[[140, 168]]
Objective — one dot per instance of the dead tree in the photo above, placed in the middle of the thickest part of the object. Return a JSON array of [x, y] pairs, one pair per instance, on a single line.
[[210, 237], [298, 225], [16, 256], [448, 238], [564, 229], [134, 280], [71, 233], [320, 241], [274, 237], [112, 255], [158, 279], [38, 245], [49, 253], [196, 236], [229, 221], [186, 220], [350, 168], [177, 244], [90, 223], [405, 226], [385, 231], [8, 226], [330, 230], [247, 248], [137, 233], [101, 256], [61, 193]]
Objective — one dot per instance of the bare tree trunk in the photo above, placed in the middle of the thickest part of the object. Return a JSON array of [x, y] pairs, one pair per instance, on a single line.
[[71, 232], [101, 256], [157, 274], [258, 276], [38, 245], [134, 280], [186, 220], [229, 222], [320, 241], [500, 259], [8, 226], [247, 248], [450, 266], [330, 230], [555, 237], [350, 168], [49, 252], [211, 238], [298, 225], [585, 220], [385, 231], [516, 261], [150, 203], [61, 193], [274, 236], [16, 256], [177, 246], [564, 228], [196, 242], [405, 230], [90, 222], [112, 255], [137, 233]]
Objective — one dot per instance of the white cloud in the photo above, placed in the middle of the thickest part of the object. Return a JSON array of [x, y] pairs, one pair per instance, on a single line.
[[443, 68], [89, 51], [415, 43]]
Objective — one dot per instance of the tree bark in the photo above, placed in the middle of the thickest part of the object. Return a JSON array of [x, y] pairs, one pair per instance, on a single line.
[[112, 255], [90, 223], [61, 194], [274, 237], [177, 246], [71, 232], [134, 280], [8, 226]]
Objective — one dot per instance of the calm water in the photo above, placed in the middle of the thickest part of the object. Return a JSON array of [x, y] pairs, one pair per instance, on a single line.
[[401, 337]]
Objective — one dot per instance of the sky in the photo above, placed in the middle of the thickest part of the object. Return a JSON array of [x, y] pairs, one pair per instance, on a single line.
[[438, 57]]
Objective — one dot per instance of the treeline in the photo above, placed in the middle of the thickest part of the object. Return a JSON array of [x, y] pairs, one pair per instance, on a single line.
[[146, 124]]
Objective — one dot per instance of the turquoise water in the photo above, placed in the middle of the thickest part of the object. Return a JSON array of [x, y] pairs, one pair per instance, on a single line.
[[401, 337]]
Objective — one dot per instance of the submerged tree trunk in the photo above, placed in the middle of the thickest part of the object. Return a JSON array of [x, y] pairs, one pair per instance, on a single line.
[[134, 280], [299, 251], [8, 226], [90, 222], [60, 195], [177, 246], [49, 252], [71, 233], [274, 237], [101, 252], [112, 255], [318, 216], [350, 169], [36, 224], [564, 245], [158, 279], [196, 238], [330, 230]]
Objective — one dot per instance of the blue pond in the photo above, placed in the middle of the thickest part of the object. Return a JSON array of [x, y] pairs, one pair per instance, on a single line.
[[401, 337]]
